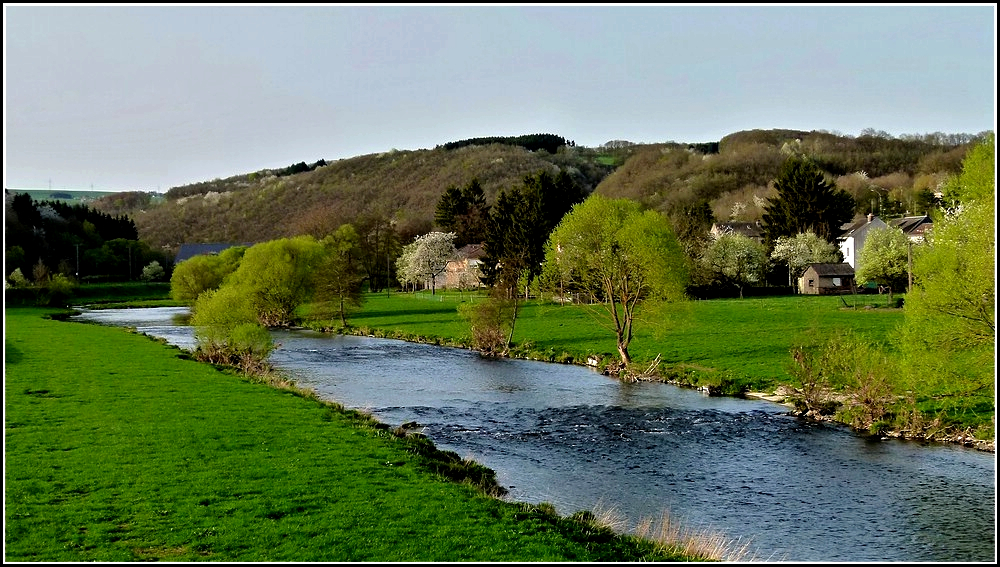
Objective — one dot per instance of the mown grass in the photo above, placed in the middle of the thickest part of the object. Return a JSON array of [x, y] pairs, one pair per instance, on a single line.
[[747, 338], [120, 448]]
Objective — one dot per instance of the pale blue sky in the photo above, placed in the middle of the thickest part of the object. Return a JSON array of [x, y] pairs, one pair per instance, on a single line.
[[151, 97]]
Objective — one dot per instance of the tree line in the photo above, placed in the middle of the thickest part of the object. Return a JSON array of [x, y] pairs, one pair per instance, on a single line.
[[531, 142], [73, 243]]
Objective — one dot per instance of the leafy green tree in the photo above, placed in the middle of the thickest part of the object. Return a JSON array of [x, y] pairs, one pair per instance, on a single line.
[[227, 330], [953, 300], [803, 249], [806, 201], [884, 259], [152, 272], [621, 254], [338, 275], [17, 278], [204, 272], [736, 259], [276, 277]]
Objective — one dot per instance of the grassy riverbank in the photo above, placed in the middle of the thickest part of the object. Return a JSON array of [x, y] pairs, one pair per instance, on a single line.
[[731, 346], [120, 448]]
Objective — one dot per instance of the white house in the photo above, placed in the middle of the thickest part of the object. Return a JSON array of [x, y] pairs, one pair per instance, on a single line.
[[852, 240]]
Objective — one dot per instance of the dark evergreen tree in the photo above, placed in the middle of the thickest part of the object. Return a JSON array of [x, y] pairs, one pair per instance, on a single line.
[[806, 201], [463, 211], [520, 223]]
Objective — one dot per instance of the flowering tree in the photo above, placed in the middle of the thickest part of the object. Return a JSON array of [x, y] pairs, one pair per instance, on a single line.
[[426, 257], [736, 259], [803, 249]]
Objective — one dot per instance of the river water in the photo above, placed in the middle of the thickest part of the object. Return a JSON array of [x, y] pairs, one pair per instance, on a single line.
[[786, 488]]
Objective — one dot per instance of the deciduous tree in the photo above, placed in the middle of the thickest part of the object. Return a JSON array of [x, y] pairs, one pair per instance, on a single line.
[[953, 301], [426, 257], [736, 259], [620, 253], [884, 259], [338, 275], [803, 249]]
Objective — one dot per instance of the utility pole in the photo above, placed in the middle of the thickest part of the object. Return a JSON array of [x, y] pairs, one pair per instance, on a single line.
[[77, 261], [909, 265]]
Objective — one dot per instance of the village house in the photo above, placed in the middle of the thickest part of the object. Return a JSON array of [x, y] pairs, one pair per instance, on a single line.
[[213, 248], [915, 228], [852, 239], [463, 272], [827, 279]]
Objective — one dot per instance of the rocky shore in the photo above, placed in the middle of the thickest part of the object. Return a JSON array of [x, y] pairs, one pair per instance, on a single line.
[[785, 397]]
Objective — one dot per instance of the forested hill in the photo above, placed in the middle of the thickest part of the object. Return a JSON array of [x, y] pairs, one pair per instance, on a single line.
[[731, 178]]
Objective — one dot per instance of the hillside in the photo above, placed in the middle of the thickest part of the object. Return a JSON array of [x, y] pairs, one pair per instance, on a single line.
[[890, 176], [402, 185]]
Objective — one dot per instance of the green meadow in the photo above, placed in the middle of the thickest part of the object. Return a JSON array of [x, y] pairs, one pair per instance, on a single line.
[[122, 448], [748, 338]]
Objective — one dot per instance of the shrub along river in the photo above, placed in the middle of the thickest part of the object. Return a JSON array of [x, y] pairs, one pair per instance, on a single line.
[[791, 489]]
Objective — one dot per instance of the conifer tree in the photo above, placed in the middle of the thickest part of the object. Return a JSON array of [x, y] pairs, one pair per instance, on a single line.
[[806, 202]]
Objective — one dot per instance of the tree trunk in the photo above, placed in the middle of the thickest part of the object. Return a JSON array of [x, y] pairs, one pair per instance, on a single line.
[[623, 353]]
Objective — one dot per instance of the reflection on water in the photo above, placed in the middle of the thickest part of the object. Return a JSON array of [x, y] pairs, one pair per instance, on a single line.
[[799, 491]]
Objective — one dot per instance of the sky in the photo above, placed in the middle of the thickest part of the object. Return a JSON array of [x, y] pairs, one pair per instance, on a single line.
[[146, 97]]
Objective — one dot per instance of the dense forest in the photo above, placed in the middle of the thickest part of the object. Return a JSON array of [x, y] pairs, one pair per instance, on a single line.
[[45, 238]]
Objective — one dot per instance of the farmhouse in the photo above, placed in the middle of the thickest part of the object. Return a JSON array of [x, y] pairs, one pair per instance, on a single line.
[[827, 279], [463, 272], [915, 228], [852, 239], [189, 250]]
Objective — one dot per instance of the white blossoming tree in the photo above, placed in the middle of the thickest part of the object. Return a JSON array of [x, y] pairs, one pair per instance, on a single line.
[[803, 249], [425, 258]]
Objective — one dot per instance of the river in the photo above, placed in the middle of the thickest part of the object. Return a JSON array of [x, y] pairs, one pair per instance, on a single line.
[[787, 488]]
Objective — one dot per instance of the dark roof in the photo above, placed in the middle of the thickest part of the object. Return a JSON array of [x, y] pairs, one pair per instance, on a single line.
[[188, 250], [842, 269], [912, 225], [848, 229], [472, 251]]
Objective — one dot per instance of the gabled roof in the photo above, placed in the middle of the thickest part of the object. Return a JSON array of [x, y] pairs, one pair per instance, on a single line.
[[848, 230], [471, 251], [915, 226], [188, 250], [841, 269]]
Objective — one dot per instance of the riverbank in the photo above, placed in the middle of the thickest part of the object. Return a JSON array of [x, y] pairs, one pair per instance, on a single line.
[[121, 448], [694, 344]]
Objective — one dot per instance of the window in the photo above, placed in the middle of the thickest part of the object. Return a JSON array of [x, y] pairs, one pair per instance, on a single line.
[[836, 282], [810, 283]]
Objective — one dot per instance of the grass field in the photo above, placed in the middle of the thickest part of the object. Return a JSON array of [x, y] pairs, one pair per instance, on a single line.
[[120, 448], [733, 346], [751, 337]]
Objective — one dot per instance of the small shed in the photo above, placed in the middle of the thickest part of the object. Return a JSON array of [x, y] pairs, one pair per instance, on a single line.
[[827, 279]]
